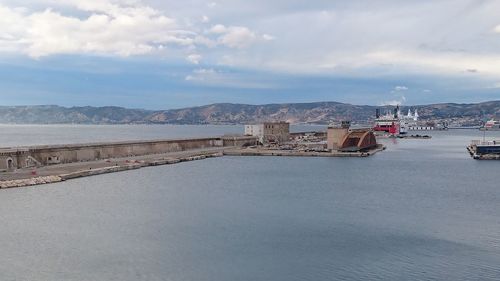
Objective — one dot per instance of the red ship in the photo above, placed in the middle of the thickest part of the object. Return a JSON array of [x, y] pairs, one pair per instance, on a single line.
[[388, 123]]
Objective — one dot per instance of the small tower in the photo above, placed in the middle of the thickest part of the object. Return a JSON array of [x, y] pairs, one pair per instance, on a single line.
[[336, 133]]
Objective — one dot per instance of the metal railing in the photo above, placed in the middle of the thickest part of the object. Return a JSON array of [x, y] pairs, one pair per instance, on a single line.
[[485, 143]]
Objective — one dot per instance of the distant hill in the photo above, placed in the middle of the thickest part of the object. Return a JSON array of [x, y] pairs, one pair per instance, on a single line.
[[226, 113], [52, 114], [318, 112]]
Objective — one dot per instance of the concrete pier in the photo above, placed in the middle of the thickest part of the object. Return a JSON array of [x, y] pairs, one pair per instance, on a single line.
[[295, 153], [43, 155], [62, 172], [27, 166]]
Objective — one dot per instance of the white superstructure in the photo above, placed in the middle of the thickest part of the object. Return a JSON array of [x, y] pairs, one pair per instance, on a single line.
[[407, 122]]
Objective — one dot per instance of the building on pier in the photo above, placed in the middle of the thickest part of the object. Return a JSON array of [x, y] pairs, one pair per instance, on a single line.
[[269, 132], [342, 138]]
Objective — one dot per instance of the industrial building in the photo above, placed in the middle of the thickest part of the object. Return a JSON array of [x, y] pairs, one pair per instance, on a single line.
[[341, 138], [267, 132]]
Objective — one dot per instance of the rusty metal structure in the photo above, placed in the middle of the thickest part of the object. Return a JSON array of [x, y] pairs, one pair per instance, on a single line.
[[358, 140]]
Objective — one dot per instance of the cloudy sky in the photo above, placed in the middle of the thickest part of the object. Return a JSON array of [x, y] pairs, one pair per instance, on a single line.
[[170, 53]]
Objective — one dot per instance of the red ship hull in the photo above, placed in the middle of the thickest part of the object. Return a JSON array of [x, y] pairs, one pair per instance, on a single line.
[[392, 129]]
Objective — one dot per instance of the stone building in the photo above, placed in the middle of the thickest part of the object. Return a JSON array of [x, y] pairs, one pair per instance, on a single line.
[[269, 131], [335, 135], [256, 130]]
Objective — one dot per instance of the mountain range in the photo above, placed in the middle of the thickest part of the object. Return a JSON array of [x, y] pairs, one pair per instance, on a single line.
[[227, 113]]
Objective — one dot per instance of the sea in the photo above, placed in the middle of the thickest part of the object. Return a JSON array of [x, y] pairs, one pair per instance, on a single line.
[[423, 209]]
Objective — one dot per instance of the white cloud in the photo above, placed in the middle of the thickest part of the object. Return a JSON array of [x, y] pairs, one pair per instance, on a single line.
[[202, 74], [205, 41], [389, 61], [395, 36], [400, 88], [218, 29], [204, 71], [217, 78], [398, 101], [495, 85], [446, 61], [237, 37], [194, 58], [108, 29], [267, 37], [391, 37]]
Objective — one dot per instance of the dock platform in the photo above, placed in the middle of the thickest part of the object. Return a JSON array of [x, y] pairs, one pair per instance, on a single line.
[[295, 153], [484, 150]]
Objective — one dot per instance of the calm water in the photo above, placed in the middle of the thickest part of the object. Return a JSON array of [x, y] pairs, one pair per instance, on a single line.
[[421, 210], [19, 135]]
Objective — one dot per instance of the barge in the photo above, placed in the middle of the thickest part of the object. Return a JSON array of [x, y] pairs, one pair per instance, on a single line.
[[484, 150]]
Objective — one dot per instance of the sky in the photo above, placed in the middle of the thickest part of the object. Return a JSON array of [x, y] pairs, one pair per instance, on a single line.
[[162, 54]]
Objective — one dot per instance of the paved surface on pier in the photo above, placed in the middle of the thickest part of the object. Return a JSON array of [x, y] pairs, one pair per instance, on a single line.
[[281, 152], [81, 166]]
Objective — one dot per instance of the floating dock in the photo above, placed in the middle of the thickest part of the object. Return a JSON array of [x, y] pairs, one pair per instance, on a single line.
[[484, 150]]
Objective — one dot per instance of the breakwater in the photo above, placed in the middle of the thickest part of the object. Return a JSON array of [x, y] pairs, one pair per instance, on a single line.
[[90, 170], [296, 153], [27, 166], [36, 156]]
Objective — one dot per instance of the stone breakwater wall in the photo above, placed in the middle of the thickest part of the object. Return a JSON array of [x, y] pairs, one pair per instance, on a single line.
[[295, 153], [36, 156], [99, 171]]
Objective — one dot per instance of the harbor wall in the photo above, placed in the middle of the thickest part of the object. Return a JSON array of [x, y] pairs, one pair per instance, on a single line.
[[25, 157]]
